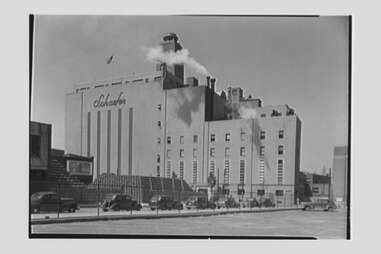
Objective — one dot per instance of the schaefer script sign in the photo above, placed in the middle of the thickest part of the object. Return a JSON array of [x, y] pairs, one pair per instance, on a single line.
[[105, 101]]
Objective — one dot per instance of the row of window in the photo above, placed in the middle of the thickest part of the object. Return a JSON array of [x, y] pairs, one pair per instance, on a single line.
[[212, 152], [227, 137], [226, 172]]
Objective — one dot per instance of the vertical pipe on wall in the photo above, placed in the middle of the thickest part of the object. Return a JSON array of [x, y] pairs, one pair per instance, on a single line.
[[118, 170], [130, 131], [98, 142], [88, 133], [108, 140]]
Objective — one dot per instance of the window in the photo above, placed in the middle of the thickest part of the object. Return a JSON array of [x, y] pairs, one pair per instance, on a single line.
[[226, 172], [281, 134], [315, 190], [169, 168], [158, 158], [181, 139], [280, 172], [279, 193], [169, 140], [159, 123], [181, 153], [263, 115], [242, 171], [261, 171], [194, 172], [181, 170], [212, 152], [195, 138], [243, 134], [280, 150], [212, 138], [168, 153], [227, 137], [242, 151], [212, 167], [194, 153], [159, 140], [263, 135], [227, 151], [35, 145], [262, 150], [159, 107], [147, 80], [157, 170]]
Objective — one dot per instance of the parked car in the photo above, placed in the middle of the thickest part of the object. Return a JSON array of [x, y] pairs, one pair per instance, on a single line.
[[163, 202], [231, 203], [118, 202], [221, 202], [48, 201], [267, 202], [250, 202], [320, 204], [204, 203], [190, 203]]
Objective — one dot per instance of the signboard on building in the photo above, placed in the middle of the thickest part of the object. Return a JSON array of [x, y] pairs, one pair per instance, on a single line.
[[75, 167]]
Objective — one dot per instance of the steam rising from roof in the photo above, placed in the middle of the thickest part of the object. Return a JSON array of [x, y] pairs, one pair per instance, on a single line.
[[157, 54], [247, 113]]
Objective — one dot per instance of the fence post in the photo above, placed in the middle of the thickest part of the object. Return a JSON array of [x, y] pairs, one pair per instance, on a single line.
[[157, 204], [58, 200], [98, 199]]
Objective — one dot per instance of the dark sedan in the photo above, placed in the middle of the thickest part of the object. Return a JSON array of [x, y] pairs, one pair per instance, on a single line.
[[50, 202], [118, 202]]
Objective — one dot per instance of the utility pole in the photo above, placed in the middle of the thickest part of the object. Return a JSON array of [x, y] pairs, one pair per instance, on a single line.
[[329, 185], [218, 180]]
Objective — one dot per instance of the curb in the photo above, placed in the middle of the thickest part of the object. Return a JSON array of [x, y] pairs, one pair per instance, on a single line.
[[145, 216]]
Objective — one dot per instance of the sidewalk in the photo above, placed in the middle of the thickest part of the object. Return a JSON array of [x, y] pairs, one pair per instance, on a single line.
[[162, 214]]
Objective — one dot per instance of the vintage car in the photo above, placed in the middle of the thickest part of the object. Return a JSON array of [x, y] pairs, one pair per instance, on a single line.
[[190, 203], [48, 201], [320, 204], [118, 202], [249, 203], [204, 203], [266, 202], [163, 202], [221, 202], [231, 203]]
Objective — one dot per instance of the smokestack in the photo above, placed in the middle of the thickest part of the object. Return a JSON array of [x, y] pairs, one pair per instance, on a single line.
[[208, 81], [212, 83]]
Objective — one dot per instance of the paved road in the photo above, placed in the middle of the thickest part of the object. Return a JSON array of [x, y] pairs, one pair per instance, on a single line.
[[287, 223]]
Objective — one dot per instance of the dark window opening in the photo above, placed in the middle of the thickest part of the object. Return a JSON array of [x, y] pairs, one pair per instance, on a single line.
[[35, 145]]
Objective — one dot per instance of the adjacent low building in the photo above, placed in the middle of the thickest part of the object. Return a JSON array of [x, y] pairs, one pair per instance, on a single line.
[[340, 174], [158, 124]]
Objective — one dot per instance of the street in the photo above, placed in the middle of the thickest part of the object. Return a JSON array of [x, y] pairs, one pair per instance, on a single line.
[[320, 224]]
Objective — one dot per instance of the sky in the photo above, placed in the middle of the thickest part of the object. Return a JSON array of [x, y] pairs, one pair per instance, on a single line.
[[302, 62]]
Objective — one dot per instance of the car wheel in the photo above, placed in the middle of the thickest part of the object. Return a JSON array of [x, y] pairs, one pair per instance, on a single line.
[[152, 209], [116, 208], [71, 209], [36, 210], [329, 209]]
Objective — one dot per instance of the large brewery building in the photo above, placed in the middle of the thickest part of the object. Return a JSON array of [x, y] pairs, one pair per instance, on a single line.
[[159, 124]]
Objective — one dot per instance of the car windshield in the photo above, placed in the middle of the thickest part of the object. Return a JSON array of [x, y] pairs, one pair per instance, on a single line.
[[109, 196], [37, 195]]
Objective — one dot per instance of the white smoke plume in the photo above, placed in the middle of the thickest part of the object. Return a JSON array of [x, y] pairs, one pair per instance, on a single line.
[[247, 113], [155, 54]]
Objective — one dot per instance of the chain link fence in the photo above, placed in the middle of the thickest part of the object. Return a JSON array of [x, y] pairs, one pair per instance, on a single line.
[[141, 195]]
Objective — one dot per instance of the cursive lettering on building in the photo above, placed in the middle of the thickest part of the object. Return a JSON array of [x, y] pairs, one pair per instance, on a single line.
[[105, 101]]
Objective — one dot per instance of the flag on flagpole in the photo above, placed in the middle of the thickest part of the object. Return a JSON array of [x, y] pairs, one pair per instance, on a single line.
[[109, 60]]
